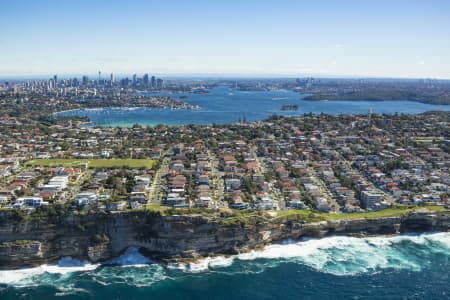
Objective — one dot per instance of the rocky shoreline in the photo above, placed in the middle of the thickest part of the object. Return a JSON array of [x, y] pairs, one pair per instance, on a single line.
[[178, 238]]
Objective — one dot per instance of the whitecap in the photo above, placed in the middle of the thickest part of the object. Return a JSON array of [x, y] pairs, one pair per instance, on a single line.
[[70, 290], [338, 255], [66, 266], [133, 275], [27, 276], [203, 264]]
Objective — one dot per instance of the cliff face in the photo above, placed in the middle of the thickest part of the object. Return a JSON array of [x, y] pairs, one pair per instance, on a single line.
[[99, 237]]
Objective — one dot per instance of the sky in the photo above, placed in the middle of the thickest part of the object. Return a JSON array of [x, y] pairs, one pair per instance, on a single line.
[[361, 38]]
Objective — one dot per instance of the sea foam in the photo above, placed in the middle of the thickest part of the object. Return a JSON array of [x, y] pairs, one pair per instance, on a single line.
[[68, 265], [203, 264], [131, 257], [30, 276], [338, 255]]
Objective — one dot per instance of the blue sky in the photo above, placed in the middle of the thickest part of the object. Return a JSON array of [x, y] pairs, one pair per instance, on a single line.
[[395, 38]]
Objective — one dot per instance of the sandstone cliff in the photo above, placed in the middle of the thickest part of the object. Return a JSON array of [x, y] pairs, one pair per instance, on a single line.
[[99, 237]]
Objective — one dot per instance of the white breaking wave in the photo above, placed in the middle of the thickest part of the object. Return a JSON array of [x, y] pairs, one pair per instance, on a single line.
[[68, 265], [203, 264], [131, 257], [70, 290], [340, 255], [337, 255], [26, 277], [133, 275]]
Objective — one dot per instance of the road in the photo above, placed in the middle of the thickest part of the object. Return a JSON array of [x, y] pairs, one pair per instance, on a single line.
[[155, 193], [323, 188], [275, 194], [217, 182]]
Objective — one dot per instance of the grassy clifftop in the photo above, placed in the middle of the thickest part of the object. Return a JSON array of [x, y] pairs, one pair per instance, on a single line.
[[227, 216]]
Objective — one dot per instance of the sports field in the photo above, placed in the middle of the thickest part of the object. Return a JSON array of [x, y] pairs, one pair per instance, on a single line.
[[93, 163]]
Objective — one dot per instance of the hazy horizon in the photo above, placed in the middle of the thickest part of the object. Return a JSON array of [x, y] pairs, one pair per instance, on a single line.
[[287, 38], [211, 76]]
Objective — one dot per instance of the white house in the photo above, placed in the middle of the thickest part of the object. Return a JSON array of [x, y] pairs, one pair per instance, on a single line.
[[85, 198], [29, 202]]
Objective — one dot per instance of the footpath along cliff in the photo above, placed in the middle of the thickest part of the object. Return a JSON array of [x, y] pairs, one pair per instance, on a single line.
[[96, 237]]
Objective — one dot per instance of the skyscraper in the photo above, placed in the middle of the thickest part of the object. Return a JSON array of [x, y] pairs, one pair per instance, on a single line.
[[146, 81], [124, 82], [99, 73], [134, 80], [159, 83], [85, 80], [113, 80], [153, 83]]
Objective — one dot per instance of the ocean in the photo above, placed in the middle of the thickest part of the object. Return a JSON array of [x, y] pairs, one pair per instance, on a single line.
[[226, 105], [384, 267]]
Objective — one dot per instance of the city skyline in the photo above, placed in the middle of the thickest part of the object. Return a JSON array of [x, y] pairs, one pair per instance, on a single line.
[[405, 39]]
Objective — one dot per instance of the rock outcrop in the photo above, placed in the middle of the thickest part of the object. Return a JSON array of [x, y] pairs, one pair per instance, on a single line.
[[100, 237]]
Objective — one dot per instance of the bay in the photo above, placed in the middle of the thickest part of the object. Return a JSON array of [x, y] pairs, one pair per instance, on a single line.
[[227, 105]]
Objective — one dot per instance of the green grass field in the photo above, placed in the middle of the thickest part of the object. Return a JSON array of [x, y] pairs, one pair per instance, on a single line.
[[317, 216], [230, 217], [93, 163]]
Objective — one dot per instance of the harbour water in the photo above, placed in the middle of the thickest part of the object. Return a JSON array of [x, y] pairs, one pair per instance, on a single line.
[[226, 105], [396, 267]]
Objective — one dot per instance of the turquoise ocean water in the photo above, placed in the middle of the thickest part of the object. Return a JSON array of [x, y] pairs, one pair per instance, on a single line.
[[398, 267]]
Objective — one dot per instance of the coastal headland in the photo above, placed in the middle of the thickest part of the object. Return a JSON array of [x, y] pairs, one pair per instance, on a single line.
[[172, 238]]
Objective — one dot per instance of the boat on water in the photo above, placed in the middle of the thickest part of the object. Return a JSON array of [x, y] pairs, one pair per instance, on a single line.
[[279, 98]]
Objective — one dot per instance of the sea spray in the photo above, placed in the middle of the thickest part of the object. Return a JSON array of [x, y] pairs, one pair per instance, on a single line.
[[340, 255], [68, 265], [31, 276], [203, 264], [131, 257]]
